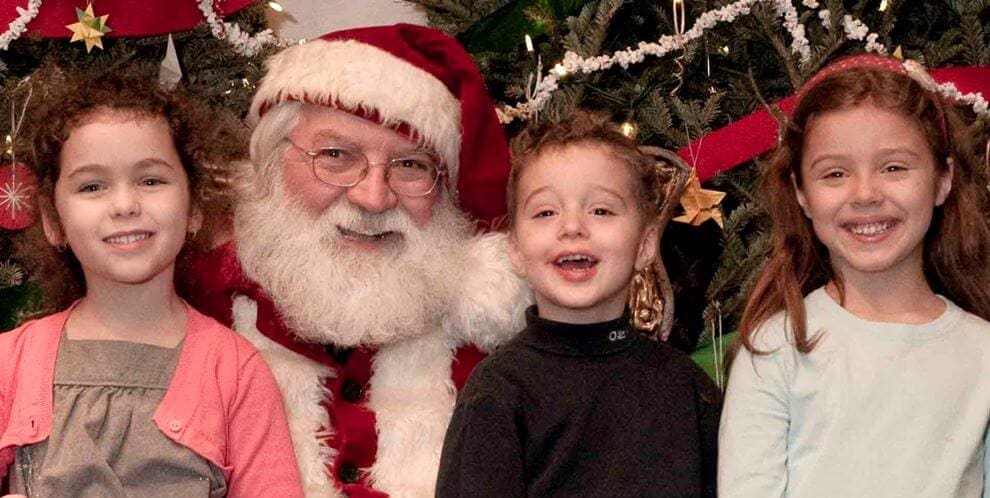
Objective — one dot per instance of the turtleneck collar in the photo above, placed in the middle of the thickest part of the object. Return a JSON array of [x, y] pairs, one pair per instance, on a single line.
[[578, 339]]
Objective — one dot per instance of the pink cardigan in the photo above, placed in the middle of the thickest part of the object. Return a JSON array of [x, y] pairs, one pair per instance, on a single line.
[[222, 403]]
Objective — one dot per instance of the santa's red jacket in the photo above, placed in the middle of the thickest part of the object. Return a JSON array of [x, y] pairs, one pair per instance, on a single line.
[[368, 421]]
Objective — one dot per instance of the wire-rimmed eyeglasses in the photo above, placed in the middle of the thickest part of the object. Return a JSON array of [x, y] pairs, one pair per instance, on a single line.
[[413, 175]]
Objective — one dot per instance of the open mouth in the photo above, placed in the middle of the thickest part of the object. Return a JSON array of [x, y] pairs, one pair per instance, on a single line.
[[576, 262], [872, 229], [129, 238], [367, 238]]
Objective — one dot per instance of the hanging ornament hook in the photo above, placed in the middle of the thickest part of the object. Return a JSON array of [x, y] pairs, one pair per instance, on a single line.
[[16, 122], [678, 11]]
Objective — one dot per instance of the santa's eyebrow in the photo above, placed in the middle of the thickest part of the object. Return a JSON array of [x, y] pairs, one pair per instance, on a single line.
[[321, 138]]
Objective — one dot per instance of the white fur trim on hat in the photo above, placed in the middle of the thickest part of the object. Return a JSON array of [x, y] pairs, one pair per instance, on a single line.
[[359, 76]]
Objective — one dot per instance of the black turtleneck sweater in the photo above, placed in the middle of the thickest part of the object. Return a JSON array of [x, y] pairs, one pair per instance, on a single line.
[[582, 410]]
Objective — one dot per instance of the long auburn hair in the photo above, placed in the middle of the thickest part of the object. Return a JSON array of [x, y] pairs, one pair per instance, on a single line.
[[956, 247]]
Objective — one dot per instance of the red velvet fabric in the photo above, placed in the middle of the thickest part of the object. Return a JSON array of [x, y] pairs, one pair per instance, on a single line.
[[127, 17], [215, 277]]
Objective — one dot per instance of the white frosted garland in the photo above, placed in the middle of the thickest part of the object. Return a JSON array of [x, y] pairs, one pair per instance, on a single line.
[[826, 16], [572, 63], [856, 30], [18, 26], [243, 43], [947, 90], [800, 44]]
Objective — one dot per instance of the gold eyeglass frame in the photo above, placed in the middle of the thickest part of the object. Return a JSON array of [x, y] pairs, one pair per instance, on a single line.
[[313, 154]]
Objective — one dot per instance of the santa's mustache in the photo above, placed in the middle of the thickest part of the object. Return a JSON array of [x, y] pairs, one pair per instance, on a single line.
[[349, 217]]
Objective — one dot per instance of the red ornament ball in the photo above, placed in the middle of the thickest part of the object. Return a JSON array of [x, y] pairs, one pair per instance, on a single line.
[[17, 187]]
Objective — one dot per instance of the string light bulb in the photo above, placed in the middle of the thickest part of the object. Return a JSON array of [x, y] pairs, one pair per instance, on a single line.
[[529, 43], [883, 6], [724, 50], [628, 129], [560, 70], [277, 7]]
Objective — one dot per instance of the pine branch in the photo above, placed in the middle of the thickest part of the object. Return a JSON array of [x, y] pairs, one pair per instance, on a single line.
[[973, 45], [588, 29], [771, 29], [455, 16]]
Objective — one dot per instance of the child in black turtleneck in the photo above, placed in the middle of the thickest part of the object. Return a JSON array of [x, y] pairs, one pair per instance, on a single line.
[[580, 404]]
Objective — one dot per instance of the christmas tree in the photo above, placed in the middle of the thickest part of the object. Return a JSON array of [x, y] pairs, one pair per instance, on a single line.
[[710, 64]]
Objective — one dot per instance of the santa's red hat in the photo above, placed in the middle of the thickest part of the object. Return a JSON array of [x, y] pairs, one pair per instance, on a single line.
[[405, 77]]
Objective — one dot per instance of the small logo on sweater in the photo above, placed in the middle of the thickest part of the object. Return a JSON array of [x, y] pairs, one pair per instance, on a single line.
[[617, 335]]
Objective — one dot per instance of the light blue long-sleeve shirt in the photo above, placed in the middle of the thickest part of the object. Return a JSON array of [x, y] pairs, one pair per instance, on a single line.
[[875, 410]]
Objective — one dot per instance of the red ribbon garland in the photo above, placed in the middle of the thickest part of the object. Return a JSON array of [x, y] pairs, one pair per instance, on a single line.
[[755, 134], [127, 17]]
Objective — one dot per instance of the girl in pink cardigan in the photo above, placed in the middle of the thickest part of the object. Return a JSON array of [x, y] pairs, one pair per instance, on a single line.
[[129, 391]]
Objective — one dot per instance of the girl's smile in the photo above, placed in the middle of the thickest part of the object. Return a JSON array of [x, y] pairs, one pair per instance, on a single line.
[[132, 239], [123, 199], [870, 184]]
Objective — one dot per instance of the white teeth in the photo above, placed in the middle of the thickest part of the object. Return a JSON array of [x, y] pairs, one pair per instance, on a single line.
[[128, 239], [871, 229], [353, 233], [574, 257]]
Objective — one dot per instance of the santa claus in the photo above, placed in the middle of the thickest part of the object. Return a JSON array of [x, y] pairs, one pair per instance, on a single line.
[[356, 268]]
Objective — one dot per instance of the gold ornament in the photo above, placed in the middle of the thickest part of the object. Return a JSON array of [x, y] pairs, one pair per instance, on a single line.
[[90, 29], [700, 205], [645, 301], [651, 296], [628, 129]]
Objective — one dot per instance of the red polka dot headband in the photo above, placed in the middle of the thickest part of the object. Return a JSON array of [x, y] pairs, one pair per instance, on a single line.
[[869, 61]]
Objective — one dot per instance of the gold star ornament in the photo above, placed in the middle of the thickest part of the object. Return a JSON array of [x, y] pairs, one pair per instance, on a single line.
[[700, 205], [90, 29]]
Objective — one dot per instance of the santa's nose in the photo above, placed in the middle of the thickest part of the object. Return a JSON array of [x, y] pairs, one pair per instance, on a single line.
[[373, 193]]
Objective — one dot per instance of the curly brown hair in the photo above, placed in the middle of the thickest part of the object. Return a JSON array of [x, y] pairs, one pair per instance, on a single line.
[[586, 128], [956, 247], [208, 142]]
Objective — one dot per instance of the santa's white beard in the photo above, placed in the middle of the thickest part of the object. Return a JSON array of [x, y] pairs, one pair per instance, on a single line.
[[330, 292]]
